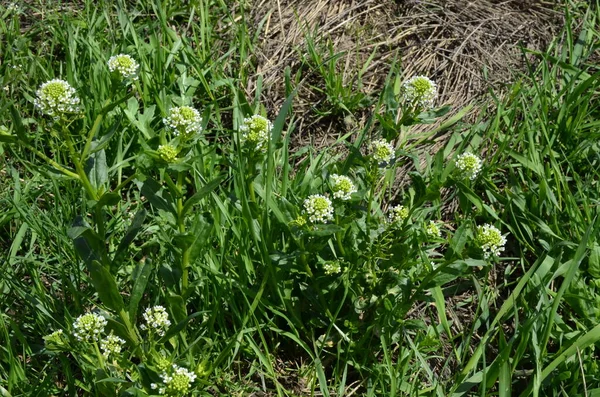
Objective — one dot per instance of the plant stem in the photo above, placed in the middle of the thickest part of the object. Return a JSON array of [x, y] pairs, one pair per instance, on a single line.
[[339, 237], [93, 130], [185, 257], [53, 163], [370, 202], [78, 167], [132, 334]]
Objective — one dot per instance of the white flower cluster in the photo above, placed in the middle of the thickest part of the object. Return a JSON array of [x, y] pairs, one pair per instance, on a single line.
[[54, 339], [124, 65], [56, 97], [469, 165], [255, 131], [342, 187], [184, 121], [318, 208], [419, 91], [157, 319], [168, 153], [112, 344], [381, 150], [332, 267], [398, 214], [432, 230], [178, 383], [490, 239], [88, 327]]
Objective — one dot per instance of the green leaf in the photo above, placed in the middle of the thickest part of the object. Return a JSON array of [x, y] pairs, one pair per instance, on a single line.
[[88, 244], [108, 199], [139, 286], [96, 168], [132, 231], [157, 196], [200, 194], [7, 138], [103, 142], [18, 124], [105, 286], [179, 327]]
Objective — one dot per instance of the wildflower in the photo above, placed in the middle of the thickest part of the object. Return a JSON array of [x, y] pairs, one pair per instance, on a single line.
[[398, 214], [490, 240], [381, 150], [419, 91], [168, 153], [184, 121], [124, 65], [163, 364], [54, 340], [432, 230], [342, 187], [332, 267], [469, 165], [298, 222], [177, 383], [255, 131], [88, 327], [56, 97], [157, 319], [112, 344], [318, 208]]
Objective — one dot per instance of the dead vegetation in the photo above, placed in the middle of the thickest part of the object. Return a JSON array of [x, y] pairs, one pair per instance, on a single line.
[[466, 46]]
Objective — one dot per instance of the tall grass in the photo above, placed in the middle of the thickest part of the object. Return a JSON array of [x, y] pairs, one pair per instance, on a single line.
[[261, 300]]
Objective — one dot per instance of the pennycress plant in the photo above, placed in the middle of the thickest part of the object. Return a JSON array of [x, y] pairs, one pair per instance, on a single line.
[[353, 263]]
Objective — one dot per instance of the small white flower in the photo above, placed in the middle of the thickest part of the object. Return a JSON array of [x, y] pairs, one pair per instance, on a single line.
[[255, 132], [184, 121], [381, 150], [342, 187], [56, 97], [168, 153], [88, 327], [490, 239], [177, 382], [124, 65], [157, 320], [398, 214], [55, 339], [112, 344], [432, 230], [318, 208], [469, 165], [332, 267], [419, 91]]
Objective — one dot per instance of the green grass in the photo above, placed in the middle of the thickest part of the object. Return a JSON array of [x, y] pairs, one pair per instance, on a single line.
[[92, 219]]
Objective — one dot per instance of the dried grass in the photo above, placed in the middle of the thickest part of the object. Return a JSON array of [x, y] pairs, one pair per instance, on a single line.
[[466, 46]]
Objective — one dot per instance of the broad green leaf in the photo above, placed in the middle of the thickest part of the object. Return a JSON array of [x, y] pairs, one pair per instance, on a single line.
[[105, 286], [139, 286]]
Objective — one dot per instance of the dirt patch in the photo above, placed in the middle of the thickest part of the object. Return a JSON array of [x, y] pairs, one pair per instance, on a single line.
[[466, 46]]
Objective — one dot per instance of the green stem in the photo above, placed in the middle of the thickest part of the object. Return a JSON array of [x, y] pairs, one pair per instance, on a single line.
[[53, 163], [125, 182], [185, 257], [99, 355], [370, 203], [93, 130], [339, 237], [132, 334], [303, 257], [78, 167]]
